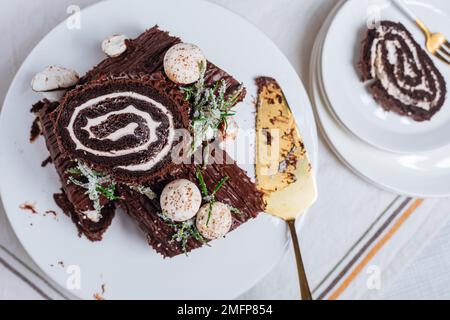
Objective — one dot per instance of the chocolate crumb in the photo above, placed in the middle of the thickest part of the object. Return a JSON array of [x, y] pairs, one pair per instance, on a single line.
[[103, 288], [29, 207], [38, 106], [98, 297], [36, 130], [46, 162], [53, 213]]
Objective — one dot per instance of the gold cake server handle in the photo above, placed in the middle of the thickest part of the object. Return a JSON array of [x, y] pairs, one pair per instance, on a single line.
[[305, 292]]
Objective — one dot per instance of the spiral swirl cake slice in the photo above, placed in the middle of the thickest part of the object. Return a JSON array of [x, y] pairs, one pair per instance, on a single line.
[[125, 128], [73, 199], [405, 79]]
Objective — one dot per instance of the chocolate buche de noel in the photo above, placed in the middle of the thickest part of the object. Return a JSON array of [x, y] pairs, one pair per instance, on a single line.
[[402, 77], [111, 136]]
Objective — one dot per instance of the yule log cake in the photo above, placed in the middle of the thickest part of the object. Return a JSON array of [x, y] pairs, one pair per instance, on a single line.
[[403, 77], [110, 134]]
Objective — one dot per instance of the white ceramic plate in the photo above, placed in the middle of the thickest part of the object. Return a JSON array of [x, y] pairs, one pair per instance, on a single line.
[[123, 261], [418, 175], [353, 104]]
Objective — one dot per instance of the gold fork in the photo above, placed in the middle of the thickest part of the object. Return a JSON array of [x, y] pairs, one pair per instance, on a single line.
[[436, 43]]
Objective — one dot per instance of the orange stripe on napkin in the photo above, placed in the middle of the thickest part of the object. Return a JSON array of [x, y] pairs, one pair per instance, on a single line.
[[375, 249]]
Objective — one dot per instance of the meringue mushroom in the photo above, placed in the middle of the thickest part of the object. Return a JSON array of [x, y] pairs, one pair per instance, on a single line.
[[220, 220], [115, 45], [181, 200], [183, 63], [54, 81]]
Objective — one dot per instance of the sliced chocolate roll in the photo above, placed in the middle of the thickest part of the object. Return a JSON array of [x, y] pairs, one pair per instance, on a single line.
[[403, 77], [73, 199], [125, 128]]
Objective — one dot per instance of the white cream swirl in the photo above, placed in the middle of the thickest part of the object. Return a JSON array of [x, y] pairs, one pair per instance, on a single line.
[[387, 41], [151, 124]]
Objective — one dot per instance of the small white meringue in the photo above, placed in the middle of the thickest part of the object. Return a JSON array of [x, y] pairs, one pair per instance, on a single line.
[[181, 200], [54, 81], [182, 63], [115, 45], [219, 223]]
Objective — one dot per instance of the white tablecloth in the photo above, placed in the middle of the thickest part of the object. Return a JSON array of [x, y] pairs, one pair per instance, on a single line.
[[355, 246]]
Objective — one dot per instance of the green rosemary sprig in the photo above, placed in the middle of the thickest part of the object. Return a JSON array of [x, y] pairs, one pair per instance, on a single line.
[[220, 185], [148, 192], [211, 107], [108, 192], [97, 184], [193, 93], [74, 171], [210, 198], [186, 230], [236, 211], [201, 182], [183, 231]]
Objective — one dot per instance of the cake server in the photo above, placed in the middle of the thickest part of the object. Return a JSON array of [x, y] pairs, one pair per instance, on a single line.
[[436, 43], [283, 169]]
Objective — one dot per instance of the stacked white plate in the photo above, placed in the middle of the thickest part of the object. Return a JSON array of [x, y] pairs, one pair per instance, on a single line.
[[393, 152]]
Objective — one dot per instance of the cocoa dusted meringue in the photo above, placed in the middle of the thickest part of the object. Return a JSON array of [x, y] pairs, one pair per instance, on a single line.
[[115, 45], [214, 221], [181, 200], [183, 63], [54, 81]]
